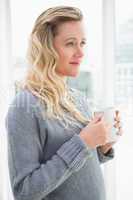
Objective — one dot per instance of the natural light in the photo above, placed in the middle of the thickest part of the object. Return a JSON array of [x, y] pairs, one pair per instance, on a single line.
[[15, 29]]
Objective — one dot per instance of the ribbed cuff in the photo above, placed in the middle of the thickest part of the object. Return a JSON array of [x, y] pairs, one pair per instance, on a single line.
[[74, 151]]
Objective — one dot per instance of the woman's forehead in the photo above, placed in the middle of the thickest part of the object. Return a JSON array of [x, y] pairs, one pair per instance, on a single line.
[[71, 30]]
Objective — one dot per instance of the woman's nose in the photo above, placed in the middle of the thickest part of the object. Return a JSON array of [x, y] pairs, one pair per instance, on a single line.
[[79, 52]]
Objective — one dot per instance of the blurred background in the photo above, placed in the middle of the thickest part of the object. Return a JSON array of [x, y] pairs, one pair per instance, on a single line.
[[106, 76]]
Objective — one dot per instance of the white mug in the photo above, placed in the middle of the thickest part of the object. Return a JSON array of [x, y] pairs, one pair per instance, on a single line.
[[109, 116]]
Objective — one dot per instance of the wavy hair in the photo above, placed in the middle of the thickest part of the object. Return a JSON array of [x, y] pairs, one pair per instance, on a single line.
[[41, 78]]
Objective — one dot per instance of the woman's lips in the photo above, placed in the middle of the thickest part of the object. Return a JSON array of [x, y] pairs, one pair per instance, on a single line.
[[74, 63]]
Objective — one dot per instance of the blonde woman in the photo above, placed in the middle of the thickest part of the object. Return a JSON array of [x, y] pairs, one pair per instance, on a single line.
[[55, 147]]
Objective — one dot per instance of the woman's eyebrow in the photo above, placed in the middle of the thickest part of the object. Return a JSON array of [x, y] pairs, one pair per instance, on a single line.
[[74, 38]]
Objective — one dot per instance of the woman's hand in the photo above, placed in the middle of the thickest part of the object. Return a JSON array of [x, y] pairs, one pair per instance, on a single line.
[[105, 148], [96, 133]]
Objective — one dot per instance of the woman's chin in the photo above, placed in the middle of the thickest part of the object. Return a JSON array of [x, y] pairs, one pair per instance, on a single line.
[[74, 74]]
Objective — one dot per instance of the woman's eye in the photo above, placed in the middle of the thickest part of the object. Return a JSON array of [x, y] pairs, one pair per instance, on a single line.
[[83, 43], [70, 44]]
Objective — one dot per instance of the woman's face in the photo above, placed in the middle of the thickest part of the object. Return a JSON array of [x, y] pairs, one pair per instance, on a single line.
[[69, 44]]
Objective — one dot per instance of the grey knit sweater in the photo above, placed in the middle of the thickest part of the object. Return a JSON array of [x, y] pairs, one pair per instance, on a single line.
[[48, 162]]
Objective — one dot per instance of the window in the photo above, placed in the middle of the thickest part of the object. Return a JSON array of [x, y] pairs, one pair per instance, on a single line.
[[124, 96]]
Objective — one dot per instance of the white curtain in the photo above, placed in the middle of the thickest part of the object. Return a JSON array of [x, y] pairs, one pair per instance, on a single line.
[[107, 81], [5, 93]]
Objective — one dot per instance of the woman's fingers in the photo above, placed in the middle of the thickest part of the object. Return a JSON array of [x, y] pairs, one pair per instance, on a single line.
[[118, 123], [117, 112], [117, 119], [117, 116], [120, 132], [107, 146]]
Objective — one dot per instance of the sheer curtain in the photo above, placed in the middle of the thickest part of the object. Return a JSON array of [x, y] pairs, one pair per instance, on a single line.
[[104, 83], [5, 93], [107, 79]]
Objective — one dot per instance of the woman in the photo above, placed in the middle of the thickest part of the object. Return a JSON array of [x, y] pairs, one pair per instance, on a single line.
[[55, 145]]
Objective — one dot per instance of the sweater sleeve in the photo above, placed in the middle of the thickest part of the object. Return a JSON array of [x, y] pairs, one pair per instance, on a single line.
[[30, 178]]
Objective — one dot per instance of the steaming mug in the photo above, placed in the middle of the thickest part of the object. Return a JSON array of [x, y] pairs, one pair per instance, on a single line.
[[109, 116]]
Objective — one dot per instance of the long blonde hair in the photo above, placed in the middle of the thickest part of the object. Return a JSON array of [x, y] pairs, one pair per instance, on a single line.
[[42, 79]]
